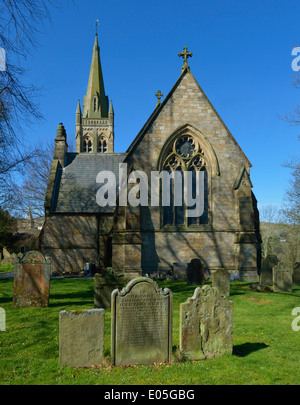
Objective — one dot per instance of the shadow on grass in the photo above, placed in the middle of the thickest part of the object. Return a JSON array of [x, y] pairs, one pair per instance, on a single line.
[[246, 348], [72, 298]]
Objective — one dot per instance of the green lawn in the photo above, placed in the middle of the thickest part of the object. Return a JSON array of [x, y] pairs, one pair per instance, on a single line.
[[266, 349], [6, 268]]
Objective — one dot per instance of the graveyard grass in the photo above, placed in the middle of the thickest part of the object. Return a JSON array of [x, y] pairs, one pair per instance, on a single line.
[[6, 268], [265, 348]]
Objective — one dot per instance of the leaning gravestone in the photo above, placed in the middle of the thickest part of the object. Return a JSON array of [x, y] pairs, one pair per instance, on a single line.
[[141, 324], [282, 279], [266, 271], [81, 337], [31, 280], [104, 284], [221, 280], [296, 274], [195, 272], [206, 325]]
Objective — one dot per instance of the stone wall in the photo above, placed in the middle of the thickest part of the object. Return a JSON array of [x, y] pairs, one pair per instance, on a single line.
[[231, 238]]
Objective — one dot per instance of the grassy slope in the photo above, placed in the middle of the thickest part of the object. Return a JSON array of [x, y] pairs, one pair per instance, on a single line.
[[266, 349]]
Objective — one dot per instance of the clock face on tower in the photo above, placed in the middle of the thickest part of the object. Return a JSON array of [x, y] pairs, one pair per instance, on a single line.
[[185, 147]]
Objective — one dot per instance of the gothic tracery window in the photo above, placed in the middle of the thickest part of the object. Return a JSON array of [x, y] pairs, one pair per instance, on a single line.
[[185, 155], [87, 146], [102, 145]]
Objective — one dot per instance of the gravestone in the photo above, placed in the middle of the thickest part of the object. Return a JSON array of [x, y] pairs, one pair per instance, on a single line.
[[296, 274], [31, 280], [141, 323], [81, 337], [221, 280], [282, 278], [206, 324], [195, 272], [266, 271], [104, 284], [179, 271], [2, 320]]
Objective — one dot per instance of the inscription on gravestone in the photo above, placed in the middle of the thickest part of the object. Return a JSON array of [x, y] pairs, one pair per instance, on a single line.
[[141, 323]]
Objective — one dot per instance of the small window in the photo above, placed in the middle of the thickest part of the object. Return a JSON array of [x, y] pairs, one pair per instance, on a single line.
[[95, 104], [104, 147], [84, 149], [89, 146]]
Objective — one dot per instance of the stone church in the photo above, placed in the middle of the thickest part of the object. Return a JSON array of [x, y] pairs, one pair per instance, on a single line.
[[183, 133]]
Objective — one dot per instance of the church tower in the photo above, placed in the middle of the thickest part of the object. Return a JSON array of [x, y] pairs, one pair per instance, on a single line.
[[95, 122]]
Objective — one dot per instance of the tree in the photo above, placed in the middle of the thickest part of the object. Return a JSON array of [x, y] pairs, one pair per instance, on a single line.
[[270, 217], [31, 193], [19, 24], [291, 203], [7, 229]]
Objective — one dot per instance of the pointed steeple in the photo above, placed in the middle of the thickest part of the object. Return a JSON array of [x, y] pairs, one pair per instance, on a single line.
[[95, 102], [78, 110]]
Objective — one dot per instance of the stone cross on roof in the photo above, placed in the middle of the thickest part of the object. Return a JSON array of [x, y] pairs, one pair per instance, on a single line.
[[159, 96], [185, 55]]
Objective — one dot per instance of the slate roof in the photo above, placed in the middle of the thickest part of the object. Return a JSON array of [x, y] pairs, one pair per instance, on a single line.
[[75, 186]]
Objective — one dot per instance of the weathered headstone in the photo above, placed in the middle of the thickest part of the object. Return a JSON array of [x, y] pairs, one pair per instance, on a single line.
[[206, 325], [31, 280], [195, 272], [296, 274], [104, 284], [81, 337], [141, 324], [282, 278], [6, 257], [221, 280], [2, 320], [179, 271], [266, 271]]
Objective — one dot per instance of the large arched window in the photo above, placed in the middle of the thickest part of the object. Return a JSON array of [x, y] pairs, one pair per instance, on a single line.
[[184, 154]]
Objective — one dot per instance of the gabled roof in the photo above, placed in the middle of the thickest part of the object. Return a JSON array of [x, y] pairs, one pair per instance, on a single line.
[[160, 107], [75, 189]]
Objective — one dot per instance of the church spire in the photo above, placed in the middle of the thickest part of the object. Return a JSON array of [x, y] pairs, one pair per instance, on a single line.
[[95, 102]]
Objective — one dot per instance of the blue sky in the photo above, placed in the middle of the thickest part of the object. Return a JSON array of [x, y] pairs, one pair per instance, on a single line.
[[241, 58]]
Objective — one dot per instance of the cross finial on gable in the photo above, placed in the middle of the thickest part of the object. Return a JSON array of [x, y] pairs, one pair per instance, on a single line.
[[185, 55], [159, 96]]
